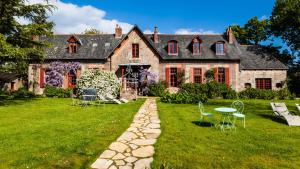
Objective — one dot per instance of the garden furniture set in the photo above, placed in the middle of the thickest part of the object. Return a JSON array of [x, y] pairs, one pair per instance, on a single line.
[[229, 115]]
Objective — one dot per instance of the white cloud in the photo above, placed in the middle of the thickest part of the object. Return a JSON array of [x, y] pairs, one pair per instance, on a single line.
[[185, 31], [71, 18], [148, 31], [264, 17]]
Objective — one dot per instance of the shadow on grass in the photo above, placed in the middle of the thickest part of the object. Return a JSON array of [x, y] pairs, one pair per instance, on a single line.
[[203, 124], [8, 102], [273, 118]]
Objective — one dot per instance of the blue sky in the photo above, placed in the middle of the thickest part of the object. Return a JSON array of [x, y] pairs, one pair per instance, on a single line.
[[169, 16]]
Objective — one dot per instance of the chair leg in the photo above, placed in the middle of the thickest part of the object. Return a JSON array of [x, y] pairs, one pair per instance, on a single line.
[[244, 122]]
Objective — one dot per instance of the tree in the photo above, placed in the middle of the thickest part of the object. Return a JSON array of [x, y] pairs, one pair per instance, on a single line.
[[285, 22], [253, 32], [92, 31], [257, 30], [19, 43]]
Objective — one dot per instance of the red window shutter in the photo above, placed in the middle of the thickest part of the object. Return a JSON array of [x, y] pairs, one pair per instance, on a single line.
[[191, 75], [216, 74], [42, 78], [227, 76], [168, 76], [179, 77]]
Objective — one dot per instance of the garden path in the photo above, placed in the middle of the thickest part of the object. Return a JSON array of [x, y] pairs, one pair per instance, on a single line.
[[134, 148]]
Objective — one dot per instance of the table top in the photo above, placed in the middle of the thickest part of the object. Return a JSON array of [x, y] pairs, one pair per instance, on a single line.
[[225, 109]]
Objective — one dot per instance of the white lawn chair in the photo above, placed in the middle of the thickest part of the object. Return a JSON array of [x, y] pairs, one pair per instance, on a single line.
[[298, 106], [280, 110], [239, 114], [111, 98]]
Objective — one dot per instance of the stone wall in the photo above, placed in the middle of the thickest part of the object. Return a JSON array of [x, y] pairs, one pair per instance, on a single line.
[[123, 55], [233, 69], [248, 76]]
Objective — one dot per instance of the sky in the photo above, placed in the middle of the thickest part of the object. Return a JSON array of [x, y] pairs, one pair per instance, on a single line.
[[179, 17]]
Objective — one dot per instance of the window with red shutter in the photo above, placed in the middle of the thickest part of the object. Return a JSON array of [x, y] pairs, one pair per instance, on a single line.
[[220, 48], [168, 76], [42, 78], [173, 47], [263, 83], [197, 75], [173, 77], [221, 75], [135, 50]]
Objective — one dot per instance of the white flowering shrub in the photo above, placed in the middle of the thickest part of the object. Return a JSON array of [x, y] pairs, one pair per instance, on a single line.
[[106, 83]]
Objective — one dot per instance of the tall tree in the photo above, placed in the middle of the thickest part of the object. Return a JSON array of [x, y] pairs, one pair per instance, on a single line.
[[285, 22], [19, 43], [253, 32]]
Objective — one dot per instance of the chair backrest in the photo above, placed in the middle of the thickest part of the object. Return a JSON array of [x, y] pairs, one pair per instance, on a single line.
[[279, 108], [298, 106], [201, 107], [89, 91], [238, 105]]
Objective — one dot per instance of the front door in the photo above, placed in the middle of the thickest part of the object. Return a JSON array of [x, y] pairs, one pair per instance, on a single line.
[[71, 80]]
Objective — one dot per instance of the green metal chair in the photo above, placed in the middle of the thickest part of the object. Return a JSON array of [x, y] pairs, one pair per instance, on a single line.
[[205, 114], [239, 114]]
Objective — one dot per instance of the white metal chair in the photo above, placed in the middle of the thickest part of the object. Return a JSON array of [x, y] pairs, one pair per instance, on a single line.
[[239, 114], [204, 114]]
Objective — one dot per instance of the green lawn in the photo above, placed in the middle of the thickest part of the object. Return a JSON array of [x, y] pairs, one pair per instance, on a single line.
[[50, 133], [267, 142]]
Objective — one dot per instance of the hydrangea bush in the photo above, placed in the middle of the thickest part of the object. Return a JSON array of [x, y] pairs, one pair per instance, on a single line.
[[106, 83], [55, 76]]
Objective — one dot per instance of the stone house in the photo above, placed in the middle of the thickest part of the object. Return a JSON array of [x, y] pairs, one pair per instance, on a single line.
[[166, 55]]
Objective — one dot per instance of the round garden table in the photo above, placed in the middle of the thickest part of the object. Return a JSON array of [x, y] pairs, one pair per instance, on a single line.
[[226, 115]]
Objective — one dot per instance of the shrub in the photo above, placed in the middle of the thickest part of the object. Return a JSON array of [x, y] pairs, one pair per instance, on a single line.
[[157, 89], [183, 97], [146, 79], [51, 91], [212, 89], [22, 93], [105, 83], [252, 93]]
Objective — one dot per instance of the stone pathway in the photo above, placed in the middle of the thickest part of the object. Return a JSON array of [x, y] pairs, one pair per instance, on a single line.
[[134, 148]]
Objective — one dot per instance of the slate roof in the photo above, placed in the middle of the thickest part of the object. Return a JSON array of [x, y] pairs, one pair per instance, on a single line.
[[102, 46], [185, 47], [92, 46], [255, 58], [8, 77]]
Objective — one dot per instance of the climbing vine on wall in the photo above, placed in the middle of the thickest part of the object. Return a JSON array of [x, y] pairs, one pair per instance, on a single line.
[[57, 70]]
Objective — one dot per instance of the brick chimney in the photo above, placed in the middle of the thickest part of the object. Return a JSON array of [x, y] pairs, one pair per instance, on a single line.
[[118, 32], [155, 35], [230, 35]]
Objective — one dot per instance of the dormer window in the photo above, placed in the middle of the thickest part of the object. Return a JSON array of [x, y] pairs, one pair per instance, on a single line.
[[173, 47], [72, 48], [73, 45], [220, 48], [196, 46]]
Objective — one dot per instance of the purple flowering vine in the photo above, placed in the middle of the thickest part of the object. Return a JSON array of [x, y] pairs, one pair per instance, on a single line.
[[55, 75]]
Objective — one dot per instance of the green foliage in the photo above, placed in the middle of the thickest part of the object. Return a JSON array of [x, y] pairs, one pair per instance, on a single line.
[[252, 93], [52, 91], [22, 93], [183, 97], [157, 89], [285, 22], [210, 75], [253, 32], [17, 47]]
